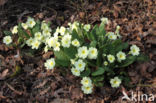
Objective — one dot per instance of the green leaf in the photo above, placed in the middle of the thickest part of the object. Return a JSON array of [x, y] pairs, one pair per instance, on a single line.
[[79, 31], [99, 84], [61, 55], [99, 58], [76, 36], [91, 63], [63, 63], [21, 32], [31, 32], [49, 23], [99, 71], [98, 78], [87, 34], [85, 73], [17, 71], [20, 40], [36, 27], [65, 54], [142, 58], [93, 34], [114, 47], [93, 44], [117, 42], [121, 47], [102, 29], [129, 60], [7, 33], [126, 80], [62, 58], [23, 45], [70, 52], [28, 52], [109, 49]]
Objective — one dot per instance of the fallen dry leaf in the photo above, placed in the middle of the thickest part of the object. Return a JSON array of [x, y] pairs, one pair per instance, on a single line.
[[4, 74], [81, 14], [15, 91], [2, 2], [61, 90], [47, 55], [41, 84], [2, 96], [151, 40], [60, 100], [143, 70], [76, 93], [44, 91]]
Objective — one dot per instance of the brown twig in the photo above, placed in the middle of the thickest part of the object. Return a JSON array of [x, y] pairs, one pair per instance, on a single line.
[[17, 92]]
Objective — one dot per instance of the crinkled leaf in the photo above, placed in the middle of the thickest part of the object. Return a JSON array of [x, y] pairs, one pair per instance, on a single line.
[[63, 63], [7, 33], [117, 42], [99, 58], [36, 27], [121, 47], [21, 32], [93, 34], [109, 49], [62, 58], [99, 84], [76, 36], [17, 71], [61, 55], [86, 73], [70, 52], [142, 58], [126, 80], [23, 44], [129, 60], [102, 29], [99, 71], [98, 78], [93, 44]]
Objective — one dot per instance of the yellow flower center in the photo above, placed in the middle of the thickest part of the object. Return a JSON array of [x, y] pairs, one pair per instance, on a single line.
[[76, 70], [87, 88], [57, 45], [110, 58], [76, 42], [47, 31], [31, 41], [83, 52], [36, 44], [7, 40], [92, 51], [80, 65], [115, 82], [31, 22], [51, 63], [134, 50], [121, 56], [52, 42], [38, 36], [66, 42], [86, 81]]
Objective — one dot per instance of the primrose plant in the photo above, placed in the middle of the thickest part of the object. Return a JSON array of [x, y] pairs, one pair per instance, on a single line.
[[92, 54]]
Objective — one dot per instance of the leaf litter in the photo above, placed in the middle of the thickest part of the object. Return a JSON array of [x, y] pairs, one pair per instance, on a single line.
[[33, 83]]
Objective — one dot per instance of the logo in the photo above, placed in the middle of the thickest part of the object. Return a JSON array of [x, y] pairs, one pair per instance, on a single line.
[[136, 97]]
